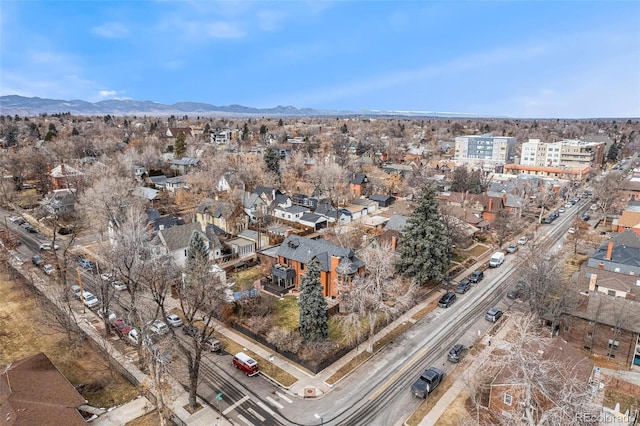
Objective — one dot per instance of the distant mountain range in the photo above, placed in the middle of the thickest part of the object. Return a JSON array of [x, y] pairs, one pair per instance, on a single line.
[[23, 106]]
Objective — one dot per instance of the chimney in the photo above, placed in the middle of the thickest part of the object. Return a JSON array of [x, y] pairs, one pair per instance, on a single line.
[[609, 250], [592, 282], [62, 169], [394, 243], [601, 265], [490, 204]]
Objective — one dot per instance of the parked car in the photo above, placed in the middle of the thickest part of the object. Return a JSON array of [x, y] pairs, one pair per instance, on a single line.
[[190, 330], [493, 314], [585, 217], [89, 300], [29, 228], [133, 336], [447, 300], [523, 240], [463, 286], [120, 326], [568, 205], [108, 313], [561, 210], [49, 246], [75, 289], [427, 382], [572, 230], [512, 248], [245, 363], [213, 345], [118, 285], [106, 277], [159, 327], [517, 291], [594, 206], [476, 276], [17, 220], [496, 259], [457, 353], [48, 269], [174, 320], [87, 264], [37, 260]]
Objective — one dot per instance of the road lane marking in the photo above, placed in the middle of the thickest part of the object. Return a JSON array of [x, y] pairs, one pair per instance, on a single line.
[[266, 408], [274, 402], [255, 413], [244, 419], [234, 405], [407, 365], [284, 397]]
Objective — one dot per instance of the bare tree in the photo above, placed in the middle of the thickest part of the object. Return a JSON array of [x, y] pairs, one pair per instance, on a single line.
[[605, 191], [329, 178], [377, 296]]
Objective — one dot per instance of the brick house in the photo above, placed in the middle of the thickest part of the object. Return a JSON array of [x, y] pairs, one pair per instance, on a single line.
[[336, 263], [506, 396], [226, 216], [606, 319], [630, 218], [357, 184], [63, 176]]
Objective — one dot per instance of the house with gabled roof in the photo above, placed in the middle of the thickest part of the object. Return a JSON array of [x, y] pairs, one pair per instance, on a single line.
[[63, 176], [313, 221], [225, 215], [630, 218], [60, 201], [182, 166], [357, 184], [340, 216], [157, 222], [148, 194], [175, 241], [173, 132], [34, 392], [292, 213], [337, 264]]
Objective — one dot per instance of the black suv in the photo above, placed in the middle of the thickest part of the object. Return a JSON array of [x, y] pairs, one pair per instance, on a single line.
[[447, 300], [457, 353], [476, 276], [463, 286]]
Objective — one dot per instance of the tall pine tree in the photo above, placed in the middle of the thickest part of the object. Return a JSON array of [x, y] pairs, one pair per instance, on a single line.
[[272, 161], [426, 245], [313, 306], [198, 250], [180, 145]]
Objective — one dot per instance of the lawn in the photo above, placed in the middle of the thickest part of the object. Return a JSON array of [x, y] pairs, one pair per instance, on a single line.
[[30, 335], [244, 279], [286, 313], [476, 251]]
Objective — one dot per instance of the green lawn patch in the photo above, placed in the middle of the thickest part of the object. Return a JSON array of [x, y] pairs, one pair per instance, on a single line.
[[287, 313], [244, 279]]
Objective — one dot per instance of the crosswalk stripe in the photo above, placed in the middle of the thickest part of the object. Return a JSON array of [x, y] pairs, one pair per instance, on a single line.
[[284, 397], [255, 413], [274, 402], [266, 408], [244, 419], [234, 405]]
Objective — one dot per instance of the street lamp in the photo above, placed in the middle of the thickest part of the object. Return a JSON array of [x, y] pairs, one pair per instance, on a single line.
[[318, 416]]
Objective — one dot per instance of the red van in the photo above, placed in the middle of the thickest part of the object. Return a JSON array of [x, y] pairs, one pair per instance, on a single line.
[[245, 363]]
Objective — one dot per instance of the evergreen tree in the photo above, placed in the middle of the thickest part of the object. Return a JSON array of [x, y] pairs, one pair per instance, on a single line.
[[313, 306], [426, 245], [198, 250], [612, 155], [272, 160], [180, 146]]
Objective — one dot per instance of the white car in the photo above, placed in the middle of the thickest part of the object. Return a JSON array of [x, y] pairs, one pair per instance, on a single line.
[[523, 240], [133, 336], [49, 246], [119, 285], [159, 327], [106, 277], [48, 269], [561, 210], [572, 230], [75, 289], [594, 206], [174, 320], [90, 300], [568, 205]]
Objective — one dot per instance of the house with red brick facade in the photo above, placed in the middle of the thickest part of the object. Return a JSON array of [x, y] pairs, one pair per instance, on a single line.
[[63, 176], [337, 264]]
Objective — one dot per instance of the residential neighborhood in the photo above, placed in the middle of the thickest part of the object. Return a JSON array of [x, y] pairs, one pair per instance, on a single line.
[[320, 250]]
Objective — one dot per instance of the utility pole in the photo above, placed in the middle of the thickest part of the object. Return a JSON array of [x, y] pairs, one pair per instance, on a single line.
[[84, 309]]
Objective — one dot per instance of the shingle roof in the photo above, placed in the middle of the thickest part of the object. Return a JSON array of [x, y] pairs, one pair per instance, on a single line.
[[312, 218], [34, 392], [304, 250], [380, 197], [186, 161], [149, 194], [178, 237], [396, 222], [625, 255], [608, 310], [216, 208], [359, 179]]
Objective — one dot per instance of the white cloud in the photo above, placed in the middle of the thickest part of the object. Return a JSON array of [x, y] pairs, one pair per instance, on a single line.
[[107, 93], [111, 30]]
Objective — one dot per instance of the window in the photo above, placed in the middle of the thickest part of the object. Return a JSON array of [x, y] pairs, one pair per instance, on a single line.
[[508, 399], [566, 329], [611, 293], [302, 266], [590, 335], [613, 344]]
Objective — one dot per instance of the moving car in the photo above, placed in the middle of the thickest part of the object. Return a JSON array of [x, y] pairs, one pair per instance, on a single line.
[[174, 320], [245, 363], [457, 353], [447, 300], [493, 315], [427, 382], [512, 248], [463, 286], [476, 276]]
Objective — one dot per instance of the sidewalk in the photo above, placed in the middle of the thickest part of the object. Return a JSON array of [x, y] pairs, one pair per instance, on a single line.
[[461, 384]]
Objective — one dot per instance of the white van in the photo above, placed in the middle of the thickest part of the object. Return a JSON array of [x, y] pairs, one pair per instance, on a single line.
[[497, 259]]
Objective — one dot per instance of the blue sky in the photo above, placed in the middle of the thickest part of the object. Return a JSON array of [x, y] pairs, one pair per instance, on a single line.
[[572, 59]]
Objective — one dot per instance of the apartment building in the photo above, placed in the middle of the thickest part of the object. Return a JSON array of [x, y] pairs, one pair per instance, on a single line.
[[568, 153], [498, 149]]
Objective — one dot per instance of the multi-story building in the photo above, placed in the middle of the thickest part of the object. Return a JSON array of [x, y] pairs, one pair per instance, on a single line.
[[569, 153], [498, 149]]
